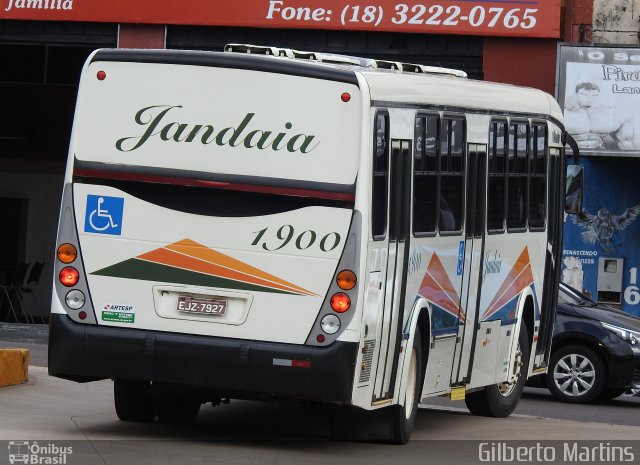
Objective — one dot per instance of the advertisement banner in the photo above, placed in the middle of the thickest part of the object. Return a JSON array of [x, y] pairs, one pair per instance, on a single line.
[[511, 18], [599, 91]]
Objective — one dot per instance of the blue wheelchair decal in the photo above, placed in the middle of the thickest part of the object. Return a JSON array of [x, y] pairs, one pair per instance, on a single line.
[[104, 215], [460, 258]]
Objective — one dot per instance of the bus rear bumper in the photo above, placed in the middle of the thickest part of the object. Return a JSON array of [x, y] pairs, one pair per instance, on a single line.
[[228, 367]]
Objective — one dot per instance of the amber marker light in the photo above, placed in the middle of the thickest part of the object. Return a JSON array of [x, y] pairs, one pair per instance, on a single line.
[[69, 276], [67, 253], [346, 280], [340, 302]]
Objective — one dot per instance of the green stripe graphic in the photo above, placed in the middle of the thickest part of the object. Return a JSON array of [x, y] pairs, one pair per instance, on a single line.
[[149, 271]]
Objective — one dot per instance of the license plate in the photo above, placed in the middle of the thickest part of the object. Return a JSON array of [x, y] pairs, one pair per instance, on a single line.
[[202, 306]]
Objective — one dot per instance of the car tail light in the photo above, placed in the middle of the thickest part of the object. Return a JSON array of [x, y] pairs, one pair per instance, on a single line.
[[69, 276], [340, 302]]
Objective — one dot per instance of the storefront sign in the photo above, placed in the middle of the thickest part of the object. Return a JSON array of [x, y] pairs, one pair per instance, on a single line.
[[523, 18], [599, 91]]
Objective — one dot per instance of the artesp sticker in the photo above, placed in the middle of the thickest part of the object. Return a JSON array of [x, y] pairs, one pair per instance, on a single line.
[[118, 313]]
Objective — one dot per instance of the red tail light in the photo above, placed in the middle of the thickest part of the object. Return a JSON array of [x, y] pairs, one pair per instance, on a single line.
[[340, 302], [69, 276]]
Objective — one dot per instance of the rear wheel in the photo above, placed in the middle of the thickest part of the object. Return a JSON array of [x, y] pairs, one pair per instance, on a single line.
[[389, 424], [404, 416], [500, 400], [177, 410], [131, 401]]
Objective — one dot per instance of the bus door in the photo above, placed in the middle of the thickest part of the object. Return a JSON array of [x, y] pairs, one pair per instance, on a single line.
[[473, 253], [399, 197]]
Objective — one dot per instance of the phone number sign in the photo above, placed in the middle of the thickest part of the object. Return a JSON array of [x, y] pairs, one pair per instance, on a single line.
[[524, 18]]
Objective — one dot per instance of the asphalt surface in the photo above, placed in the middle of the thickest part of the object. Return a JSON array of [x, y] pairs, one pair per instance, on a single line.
[[57, 414], [535, 402]]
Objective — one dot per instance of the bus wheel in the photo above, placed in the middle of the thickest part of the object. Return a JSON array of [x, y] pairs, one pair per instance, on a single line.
[[500, 400], [177, 410], [404, 416], [131, 402]]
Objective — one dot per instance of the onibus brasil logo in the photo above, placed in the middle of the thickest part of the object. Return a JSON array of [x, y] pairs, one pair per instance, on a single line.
[[29, 452], [159, 123]]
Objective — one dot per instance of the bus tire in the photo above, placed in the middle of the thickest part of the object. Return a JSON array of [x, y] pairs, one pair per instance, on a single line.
[[177, 410], [500, 400], [404, 416], [131, 403]]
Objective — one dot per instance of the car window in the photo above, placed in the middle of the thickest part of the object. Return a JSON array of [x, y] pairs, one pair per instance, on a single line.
[[566, 298], [570, 296]]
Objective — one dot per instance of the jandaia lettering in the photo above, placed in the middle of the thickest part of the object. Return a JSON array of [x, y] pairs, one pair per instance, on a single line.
[[157, 125]]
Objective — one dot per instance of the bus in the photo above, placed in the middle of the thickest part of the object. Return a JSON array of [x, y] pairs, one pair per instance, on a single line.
[[271, 224]]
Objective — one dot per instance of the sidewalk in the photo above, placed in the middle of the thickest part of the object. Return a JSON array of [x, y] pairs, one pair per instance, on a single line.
[[32, 337]]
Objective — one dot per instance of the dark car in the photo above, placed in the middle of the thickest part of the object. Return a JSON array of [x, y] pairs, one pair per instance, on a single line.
[[595, 352]]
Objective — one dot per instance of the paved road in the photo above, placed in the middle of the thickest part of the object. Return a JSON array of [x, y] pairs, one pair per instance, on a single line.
[[52, 410], [540, 403], [49, 409], [535, 402]]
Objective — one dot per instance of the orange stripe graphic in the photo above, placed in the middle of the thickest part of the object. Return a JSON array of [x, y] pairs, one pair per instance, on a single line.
[[518, 278], [174, 258], [437, 287], [194, 249]]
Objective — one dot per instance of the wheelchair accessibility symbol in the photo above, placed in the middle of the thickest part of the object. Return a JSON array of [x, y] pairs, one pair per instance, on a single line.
[[104, 215]]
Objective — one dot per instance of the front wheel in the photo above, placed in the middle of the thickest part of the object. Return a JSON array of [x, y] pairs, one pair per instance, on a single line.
[[500, 400], [576, 375]]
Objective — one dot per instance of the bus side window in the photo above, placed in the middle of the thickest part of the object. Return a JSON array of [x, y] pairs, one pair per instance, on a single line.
[[497, 193], [538, 178], [425, 175], [451, 202], [380, 176], [517, 189]]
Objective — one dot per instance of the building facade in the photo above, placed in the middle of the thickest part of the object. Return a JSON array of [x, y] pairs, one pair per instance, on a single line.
[[43, 45]]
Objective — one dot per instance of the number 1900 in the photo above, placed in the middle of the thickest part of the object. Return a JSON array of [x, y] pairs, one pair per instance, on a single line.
[[286, 233]]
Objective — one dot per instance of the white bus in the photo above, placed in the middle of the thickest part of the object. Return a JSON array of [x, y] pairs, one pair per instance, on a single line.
[[269, 224]]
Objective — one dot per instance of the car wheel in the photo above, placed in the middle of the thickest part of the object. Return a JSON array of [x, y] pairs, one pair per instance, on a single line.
[[500, 400], [576, 374]]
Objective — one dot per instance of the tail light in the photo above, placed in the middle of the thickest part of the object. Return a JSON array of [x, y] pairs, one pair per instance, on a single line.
[[340, 302], [346, 280], [67, 253], [69, 276]]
